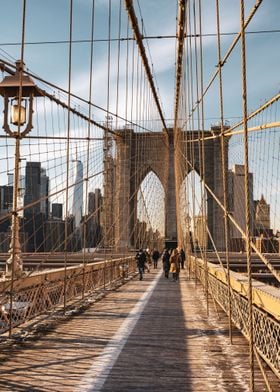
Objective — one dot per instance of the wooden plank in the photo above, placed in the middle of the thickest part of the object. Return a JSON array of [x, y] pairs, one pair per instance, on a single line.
[[173, 347]]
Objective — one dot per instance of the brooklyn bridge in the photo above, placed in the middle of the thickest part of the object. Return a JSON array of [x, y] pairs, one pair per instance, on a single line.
[[139, 185]]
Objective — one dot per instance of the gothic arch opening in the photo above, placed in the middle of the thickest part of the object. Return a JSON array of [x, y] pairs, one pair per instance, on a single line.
[[193, 211], [150, 222]]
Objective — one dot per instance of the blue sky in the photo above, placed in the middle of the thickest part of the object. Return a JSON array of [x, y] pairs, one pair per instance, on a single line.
[[49, 21]]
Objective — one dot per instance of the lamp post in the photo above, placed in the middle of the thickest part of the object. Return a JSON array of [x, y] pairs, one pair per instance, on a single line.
[[18, 91]]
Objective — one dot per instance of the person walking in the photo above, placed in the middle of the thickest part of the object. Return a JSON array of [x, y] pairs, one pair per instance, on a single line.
[[182, 258], [166, 263], [175, 264], [155, 257], [141, 261], [148, 259]]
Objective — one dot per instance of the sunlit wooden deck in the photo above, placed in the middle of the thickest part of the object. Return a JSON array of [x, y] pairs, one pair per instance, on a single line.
[[150, 335]]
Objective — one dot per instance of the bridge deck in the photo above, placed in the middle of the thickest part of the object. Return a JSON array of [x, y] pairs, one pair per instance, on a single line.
[[150, 335]]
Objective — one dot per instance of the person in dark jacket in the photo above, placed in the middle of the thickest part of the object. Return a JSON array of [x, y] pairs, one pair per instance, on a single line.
[[141, 261], [166, 262], [182, 258], [155, 257]]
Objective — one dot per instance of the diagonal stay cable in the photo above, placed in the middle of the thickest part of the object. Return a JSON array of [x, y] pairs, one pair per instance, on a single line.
[[228, 53], [8, 67], [139, 40], [179, 57]]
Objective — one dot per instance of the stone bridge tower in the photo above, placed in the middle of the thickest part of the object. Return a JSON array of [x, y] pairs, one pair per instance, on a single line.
[[139, 153]]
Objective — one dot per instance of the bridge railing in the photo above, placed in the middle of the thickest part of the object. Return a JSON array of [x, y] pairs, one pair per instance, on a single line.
[[266, 308], [48, 290]]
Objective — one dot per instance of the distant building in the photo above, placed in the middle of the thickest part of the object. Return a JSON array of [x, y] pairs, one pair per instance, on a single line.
[[32, 188], [44, 193], [77, 206], [200, 231], [93, 224], [262, 217], [5, 241], [21, 182], [36, 194], [236, 201], [95, 204], [54, 235], [57, 211], [6, 199]]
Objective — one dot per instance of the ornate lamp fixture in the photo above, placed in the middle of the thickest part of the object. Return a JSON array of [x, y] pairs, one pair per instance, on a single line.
[[18, 91]]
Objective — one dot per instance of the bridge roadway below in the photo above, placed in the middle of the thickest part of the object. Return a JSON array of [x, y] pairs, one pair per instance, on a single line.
[[151, 335]]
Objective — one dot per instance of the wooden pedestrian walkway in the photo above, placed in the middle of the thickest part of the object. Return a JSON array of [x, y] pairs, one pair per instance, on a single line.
[[151, 335]]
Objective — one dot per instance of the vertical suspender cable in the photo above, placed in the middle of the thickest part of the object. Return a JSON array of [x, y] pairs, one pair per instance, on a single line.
[[247, 200], [179, 93], [205, 235], [179, 59], [85, 233], [192, 153], [199, 131], [224, 165], [15, 222], [118, 62], [106, 139], [67, 154], [188, 151]]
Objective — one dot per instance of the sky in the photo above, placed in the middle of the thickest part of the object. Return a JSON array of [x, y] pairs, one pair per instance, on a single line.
[[47, 22]]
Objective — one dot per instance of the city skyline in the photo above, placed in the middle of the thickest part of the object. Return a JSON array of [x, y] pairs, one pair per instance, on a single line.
[[149, 213], [50, 122]]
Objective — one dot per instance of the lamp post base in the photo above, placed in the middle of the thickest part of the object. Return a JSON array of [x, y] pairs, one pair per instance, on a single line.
[[17, 261]]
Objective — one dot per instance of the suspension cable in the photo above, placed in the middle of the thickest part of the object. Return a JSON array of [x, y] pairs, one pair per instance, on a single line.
[[139, 40], [68, 153], [179, 60], [247, 197], [224, 166]]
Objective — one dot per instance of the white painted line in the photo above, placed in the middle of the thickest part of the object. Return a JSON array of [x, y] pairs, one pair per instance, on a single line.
[[96, 376]]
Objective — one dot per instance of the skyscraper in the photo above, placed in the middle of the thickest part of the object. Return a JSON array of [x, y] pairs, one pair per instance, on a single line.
[[32, 187], [236, 201], [77, 207], [45, 184], [57, 210], [36, 194], [93, 219], [6, 199], [94, 204], [200, 231], [262, 217], [36, 187]]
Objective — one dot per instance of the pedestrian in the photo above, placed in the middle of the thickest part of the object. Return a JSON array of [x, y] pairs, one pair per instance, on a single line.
[[182, 258], [166, 263], [155, 257], [148, 259], [141, 261], [175, 264]]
